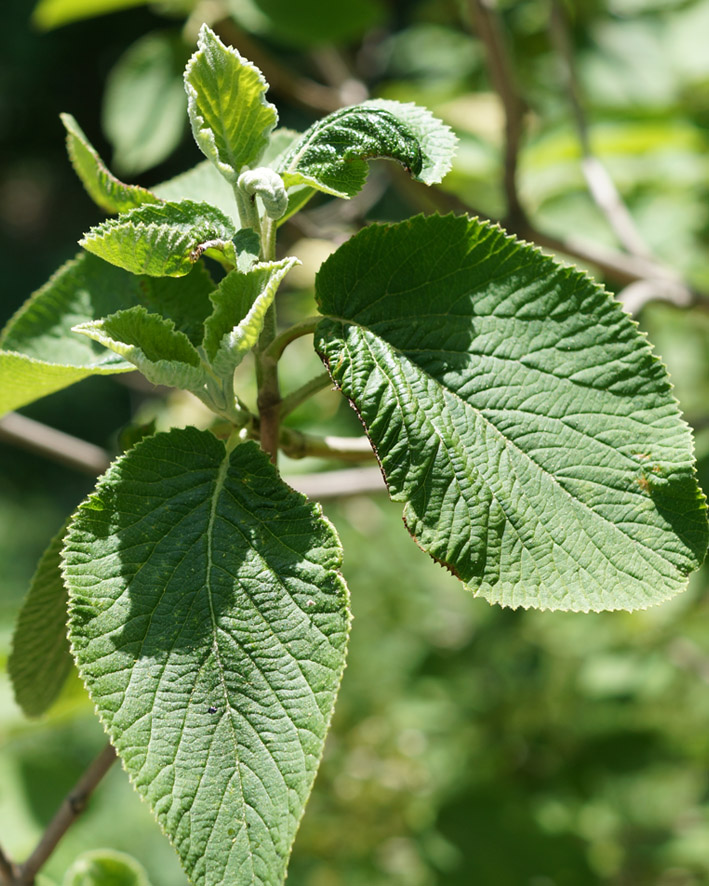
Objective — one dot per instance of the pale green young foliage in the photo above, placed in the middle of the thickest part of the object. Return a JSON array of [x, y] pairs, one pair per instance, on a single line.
[[331, 156], [102, 186], [163, 354], [40, 660], [517, 412], [164, 240], [240, 305], [231, 119], [209, 621]]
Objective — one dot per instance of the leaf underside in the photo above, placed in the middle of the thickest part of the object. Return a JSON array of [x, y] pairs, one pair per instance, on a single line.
[[209, 622], [517, 412]]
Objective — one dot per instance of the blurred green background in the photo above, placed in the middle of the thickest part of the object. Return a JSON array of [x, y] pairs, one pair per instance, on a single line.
[[471, 745]]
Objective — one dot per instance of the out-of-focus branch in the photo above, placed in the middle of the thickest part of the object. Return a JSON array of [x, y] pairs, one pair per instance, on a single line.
[[338, 484], [72, 806], [600, 184], [8, 870], [56, 445], [488, 26]]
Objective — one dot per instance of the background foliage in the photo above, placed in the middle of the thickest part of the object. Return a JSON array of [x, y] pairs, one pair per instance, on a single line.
[[470, 744]]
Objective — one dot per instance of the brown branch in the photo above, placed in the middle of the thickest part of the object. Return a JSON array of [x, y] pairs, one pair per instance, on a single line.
[[8, 870], [488, 27], [56, 445], [600, 184], [338, 484], [72, 806]]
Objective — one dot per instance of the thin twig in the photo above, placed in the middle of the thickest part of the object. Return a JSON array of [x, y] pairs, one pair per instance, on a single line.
[[488, 26], [296, 444], [8, 870], [338, 484], [304, 392], [60, 447], [72, 806], [600, 184]]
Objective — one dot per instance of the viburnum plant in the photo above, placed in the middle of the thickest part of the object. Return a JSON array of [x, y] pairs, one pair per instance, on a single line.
[[514, 408]]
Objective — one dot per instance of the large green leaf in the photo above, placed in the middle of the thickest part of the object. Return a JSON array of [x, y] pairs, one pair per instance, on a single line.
[[331, 156], [40, 660], [164, 240], [231, 119], [201, 183], [102, 186], [209, 621], [39, 353], [519, 414], [144, 107]]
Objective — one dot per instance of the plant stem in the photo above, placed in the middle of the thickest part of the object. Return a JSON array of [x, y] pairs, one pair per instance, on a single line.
[[303, 393], [72, 806], [269, 395], [281, 342], [296, 444], [8, 870]]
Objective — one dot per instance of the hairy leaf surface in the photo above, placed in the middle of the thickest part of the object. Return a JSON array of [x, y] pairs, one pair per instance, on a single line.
[[517, 412], [40, 660], [164, 240], [163, 354], [331, 156], [102, 186], [240, 305], [209, 621], [231, 119]]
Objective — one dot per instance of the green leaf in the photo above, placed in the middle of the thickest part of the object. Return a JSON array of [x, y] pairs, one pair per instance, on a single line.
[[307, 22], [39, 353], [49, 14], [517, 412], [40, 660], [240, 305], [231, 119], [209, 622], [164, 355], [165, 240], [102, 186], [201, 183], [331, 156], [144, 105], [106, 867]]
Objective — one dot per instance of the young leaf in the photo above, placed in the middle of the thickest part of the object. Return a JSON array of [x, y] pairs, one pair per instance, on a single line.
[[165, 240], [240, 305], [144, 104], [105, 867], [209, 622], [331, 156], [231, 119], [102, 186], [517, 412], [164, 355], [40, 660]]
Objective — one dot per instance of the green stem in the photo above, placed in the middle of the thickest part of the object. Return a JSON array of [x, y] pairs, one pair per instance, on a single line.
[[281, 342], [296, 444], [303, 393], [269, 395], [248, 213]]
